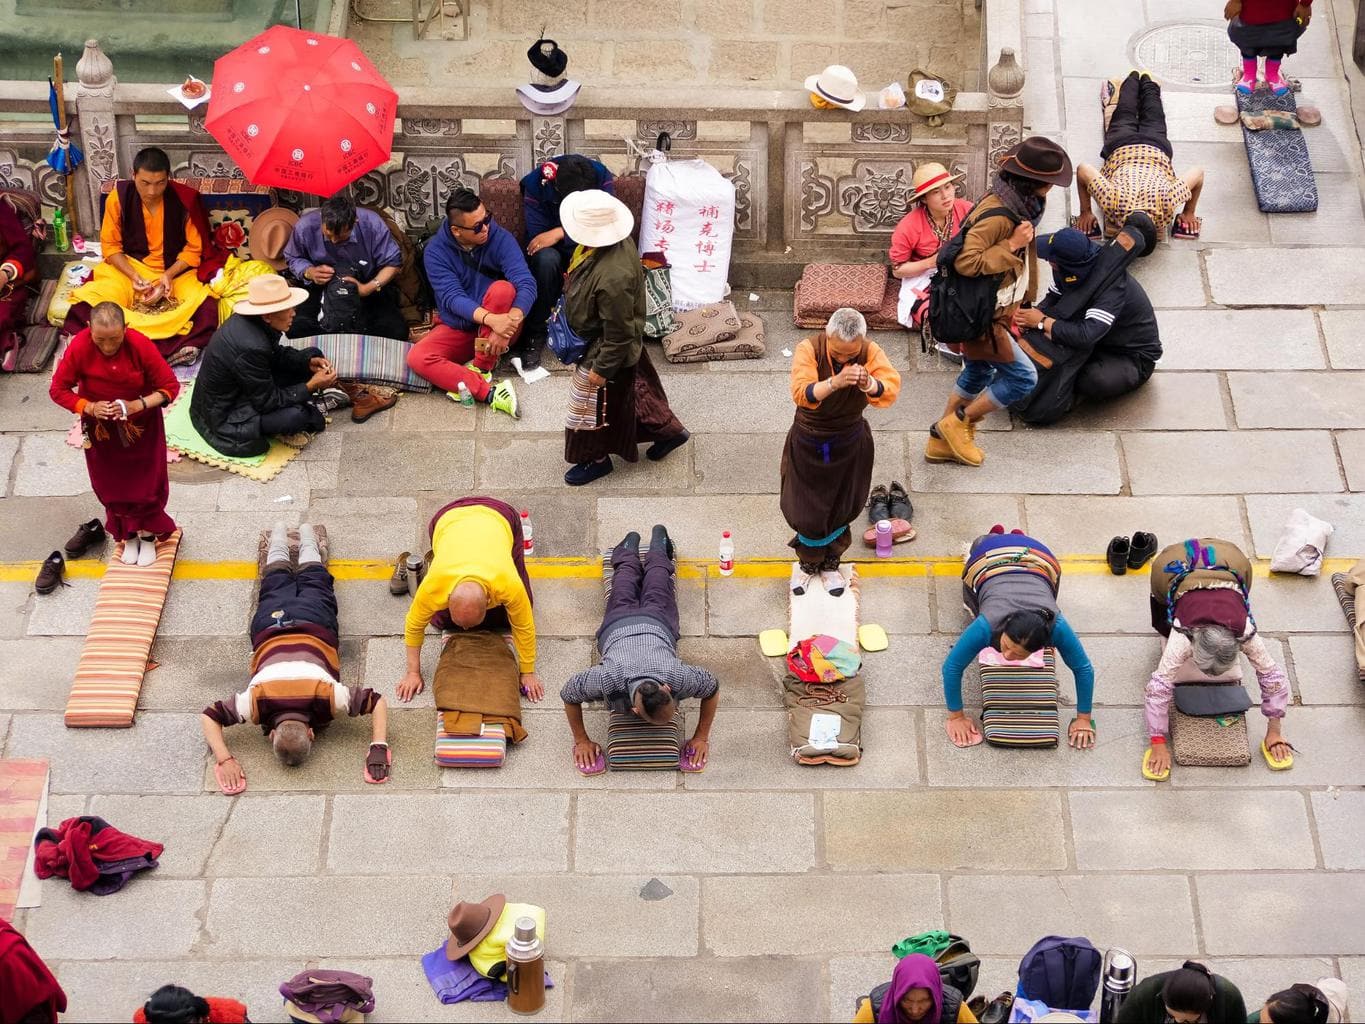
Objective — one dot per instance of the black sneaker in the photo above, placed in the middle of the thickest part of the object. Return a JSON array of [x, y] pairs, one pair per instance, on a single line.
[[1141, 549], [50, 573], [659, 538], [1118, 555], [329, 400], [87, 535]]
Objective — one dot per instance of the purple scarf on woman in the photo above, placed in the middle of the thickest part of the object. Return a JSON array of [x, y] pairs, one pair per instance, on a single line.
[[914, 971]]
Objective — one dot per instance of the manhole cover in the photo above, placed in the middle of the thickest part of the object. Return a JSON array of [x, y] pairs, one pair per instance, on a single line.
[[1196, 56]]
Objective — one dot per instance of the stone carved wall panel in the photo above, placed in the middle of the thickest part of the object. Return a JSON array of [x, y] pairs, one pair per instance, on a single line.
[[843, 195], [881, 131], [36, 175], [678, 131]]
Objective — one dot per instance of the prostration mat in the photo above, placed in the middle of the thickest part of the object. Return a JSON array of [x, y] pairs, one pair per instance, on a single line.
[[119, 639], [21, 793], [1281, 169], [182, 437]]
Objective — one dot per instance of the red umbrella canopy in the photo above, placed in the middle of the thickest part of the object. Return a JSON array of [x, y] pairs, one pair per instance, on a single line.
[[301, 110]]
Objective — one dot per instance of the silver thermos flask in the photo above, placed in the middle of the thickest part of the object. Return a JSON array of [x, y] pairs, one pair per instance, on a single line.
[[415, 567], [1120, 975]]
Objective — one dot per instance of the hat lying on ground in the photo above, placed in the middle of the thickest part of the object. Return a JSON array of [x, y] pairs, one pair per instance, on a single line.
[[592, 217], [837, 85], [470, 922]]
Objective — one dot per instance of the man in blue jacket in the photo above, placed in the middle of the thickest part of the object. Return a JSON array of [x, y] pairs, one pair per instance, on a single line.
[[483, 289], [547, 248]]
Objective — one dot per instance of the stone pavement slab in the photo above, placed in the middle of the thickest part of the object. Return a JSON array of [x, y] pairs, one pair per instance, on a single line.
[[696, 523], [112, 990], [258, 917], [38, 672], [1288, 400], [1344, 331], [747, 678], [375, 462], [1222, 463], [207, 608], [14, 605], [1168, 401], [750, 751], [1318, 913], [211, 536], [188, 826], [287, 492], [9, 446], [163, 922], [1325, 670], [28, 407], [370, 527], [1173, 280], [945, 522], [1240, 339], [1099, 907], [625, 922], [692, 833], [1092, 46], [1204, 831], [1299, 604], [1032, 462], [932, 830], [1269, 512], [364, 608], [781, 915], [33, 527], [1341, 819], [1237, 278], [46, 464], [193, 672], [1351, 445], [162, 753], [908, 673], [525, 835], [1228, 208], [691, 990], [1337, 220], [1077, 524], [271, 835], [921, 403]]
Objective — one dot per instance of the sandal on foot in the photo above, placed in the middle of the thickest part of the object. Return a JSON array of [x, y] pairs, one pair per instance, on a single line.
[[218, 774], [1150, 775], [1279, 764], [1177, 231], [597, 768]]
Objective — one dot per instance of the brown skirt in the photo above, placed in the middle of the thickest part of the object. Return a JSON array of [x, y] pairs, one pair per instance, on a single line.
[[637, 413], [825, 478]]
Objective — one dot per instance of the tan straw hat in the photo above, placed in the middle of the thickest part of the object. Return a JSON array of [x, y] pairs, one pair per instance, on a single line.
[[929, 177], [269, 293], [592, 217]]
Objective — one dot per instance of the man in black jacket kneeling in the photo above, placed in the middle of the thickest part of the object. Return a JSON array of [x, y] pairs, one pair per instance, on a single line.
[[1094, 336], [251, 387]]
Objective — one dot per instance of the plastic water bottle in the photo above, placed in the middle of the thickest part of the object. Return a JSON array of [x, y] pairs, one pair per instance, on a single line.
[[466, 396], [727, 554], [528, 544], [884, 538], [61, 231]]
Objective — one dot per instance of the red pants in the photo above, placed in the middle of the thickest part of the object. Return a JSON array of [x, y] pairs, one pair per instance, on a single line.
[[441, 355]]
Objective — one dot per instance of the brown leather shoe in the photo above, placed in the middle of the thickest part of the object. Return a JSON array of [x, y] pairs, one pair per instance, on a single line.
[[368, 399], [50, 575], [87, 535]]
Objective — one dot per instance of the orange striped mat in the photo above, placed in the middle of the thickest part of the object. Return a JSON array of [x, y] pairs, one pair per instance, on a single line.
[[114, 659], [21, 793]]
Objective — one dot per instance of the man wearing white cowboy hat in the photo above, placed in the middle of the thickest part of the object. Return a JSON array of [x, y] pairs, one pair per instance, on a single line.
[[616, 400], [251, 387], [836, 86]]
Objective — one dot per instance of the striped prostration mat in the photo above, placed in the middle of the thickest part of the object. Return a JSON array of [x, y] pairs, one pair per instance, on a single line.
[[639, 746], [114, 658], [486, 751], [21, 794], [1019, 703]]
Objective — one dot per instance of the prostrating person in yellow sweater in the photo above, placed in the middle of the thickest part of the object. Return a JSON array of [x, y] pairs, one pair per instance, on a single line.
[[477, 580]]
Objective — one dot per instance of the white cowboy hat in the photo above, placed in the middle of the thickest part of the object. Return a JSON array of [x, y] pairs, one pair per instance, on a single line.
[[548, 100], [269, 293], [593, 218], [839, 86]]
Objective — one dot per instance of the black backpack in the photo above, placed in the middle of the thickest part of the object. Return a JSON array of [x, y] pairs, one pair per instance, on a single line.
[[340, 312], [961, 308]]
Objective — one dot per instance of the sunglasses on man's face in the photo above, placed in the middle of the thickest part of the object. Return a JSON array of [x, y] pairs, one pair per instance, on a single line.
[[476, 227]]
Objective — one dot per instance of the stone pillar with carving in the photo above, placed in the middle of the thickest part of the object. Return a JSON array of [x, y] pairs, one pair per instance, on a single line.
[[1005, 107], [95, 115], [549, 135]]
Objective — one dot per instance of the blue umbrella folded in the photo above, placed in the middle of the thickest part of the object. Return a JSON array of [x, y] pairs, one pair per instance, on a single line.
[[64, 156]]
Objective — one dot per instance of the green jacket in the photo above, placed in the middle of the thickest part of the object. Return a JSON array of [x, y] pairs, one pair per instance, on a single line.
[[605, 301], [1144, 1005]]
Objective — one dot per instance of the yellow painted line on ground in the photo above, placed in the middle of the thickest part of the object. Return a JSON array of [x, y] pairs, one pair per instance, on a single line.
[[591, 569]]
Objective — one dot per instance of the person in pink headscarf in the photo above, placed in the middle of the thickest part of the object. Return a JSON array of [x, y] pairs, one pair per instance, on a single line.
[[914, 995]]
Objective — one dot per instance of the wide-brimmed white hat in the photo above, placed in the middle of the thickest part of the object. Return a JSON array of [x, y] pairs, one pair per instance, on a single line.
[[839, 86], [548, 100], [592, 217], [269, 293]]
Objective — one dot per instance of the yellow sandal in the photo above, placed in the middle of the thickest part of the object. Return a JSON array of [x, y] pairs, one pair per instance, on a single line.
[[1280, 764], [1147, 772]]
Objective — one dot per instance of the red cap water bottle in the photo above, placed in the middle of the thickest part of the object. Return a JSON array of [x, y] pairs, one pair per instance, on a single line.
[[727, 554], [527, 543]]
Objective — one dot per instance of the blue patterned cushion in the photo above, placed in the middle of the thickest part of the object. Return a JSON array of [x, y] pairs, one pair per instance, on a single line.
[[1281, 169]]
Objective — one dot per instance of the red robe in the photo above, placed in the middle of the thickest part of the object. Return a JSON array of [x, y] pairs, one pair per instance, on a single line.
[[26, 984], [16, 252], [126, 460]]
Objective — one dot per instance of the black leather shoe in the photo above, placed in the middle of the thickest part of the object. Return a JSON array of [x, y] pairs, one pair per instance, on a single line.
[[878, 505], [1118, 555], [1141, 550], [659, 538], [900, 503], [50, 574], [87, 535]]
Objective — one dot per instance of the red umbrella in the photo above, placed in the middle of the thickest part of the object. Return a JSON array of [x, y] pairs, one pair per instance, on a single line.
[[302, 111]]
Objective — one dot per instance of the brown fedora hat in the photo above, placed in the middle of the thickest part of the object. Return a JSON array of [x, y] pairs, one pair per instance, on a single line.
[[470, 923], [1039, 159]]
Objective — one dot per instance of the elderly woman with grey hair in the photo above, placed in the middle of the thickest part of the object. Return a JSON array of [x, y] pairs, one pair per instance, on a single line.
[[1201, 601], [827, 461]]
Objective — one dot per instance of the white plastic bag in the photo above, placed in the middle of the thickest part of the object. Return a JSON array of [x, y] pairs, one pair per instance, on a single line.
[[1302, 544], [689, 216]]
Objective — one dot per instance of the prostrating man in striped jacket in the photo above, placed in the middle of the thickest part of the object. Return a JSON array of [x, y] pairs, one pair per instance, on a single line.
[[640, 669], [294, 694], [1094, 336]]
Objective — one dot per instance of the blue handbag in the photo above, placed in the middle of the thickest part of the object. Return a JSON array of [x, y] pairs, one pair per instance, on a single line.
[[564, 342]]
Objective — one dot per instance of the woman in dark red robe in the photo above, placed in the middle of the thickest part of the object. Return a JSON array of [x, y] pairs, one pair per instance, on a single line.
[[18, 274], [116, 381]]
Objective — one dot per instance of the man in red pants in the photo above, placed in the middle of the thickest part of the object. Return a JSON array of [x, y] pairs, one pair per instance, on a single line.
[[483, 289]]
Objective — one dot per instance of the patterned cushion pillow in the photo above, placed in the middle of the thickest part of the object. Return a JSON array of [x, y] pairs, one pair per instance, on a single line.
[[366, 358], [881, 319], [726, 334], [826, 287]]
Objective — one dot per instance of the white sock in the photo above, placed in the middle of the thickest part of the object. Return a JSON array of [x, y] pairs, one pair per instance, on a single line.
[[278, 547], [308, 545], [131, 548], [146, 554]]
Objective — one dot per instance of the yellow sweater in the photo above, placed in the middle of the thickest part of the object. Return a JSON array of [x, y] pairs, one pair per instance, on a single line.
[[474, 543]]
